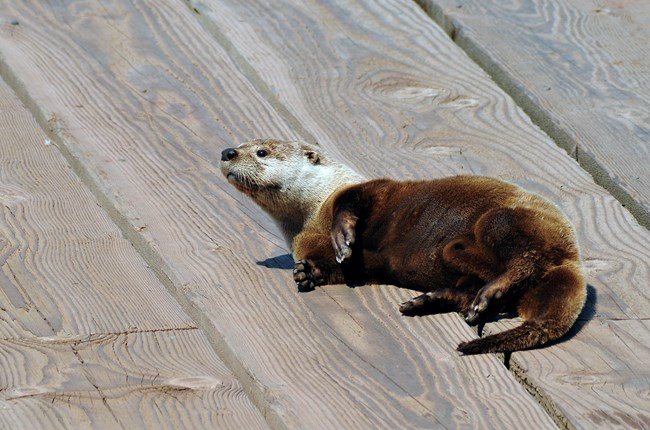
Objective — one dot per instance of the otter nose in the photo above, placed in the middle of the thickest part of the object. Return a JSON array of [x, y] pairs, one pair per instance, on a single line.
[[228, 154]]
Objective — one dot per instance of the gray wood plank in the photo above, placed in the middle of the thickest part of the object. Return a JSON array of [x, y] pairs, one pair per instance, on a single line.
[[402, 110], [598, 379], [166, 379], [580, 70], [144, 99], [413, 113], [65, 267], [89, 337], [577, 68]]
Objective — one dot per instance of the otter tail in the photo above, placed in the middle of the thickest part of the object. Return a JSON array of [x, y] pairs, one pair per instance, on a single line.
[[550, 310], [527, 335]]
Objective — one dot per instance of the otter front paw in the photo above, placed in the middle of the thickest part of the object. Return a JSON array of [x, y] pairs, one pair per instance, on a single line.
[[343, 235], [307, 275]]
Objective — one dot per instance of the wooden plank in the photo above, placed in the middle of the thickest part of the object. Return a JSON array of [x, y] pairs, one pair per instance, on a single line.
[[597, 380], [88, 335], [65, 268], [579, 69], [426, 112], [164, 379], [305, 358], [406, 104], [575, 67]]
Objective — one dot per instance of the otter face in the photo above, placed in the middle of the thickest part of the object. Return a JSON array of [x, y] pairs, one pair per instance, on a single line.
[[288, 179], [265, 164]]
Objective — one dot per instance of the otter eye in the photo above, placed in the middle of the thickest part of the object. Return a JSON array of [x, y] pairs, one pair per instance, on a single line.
[[262, 153]]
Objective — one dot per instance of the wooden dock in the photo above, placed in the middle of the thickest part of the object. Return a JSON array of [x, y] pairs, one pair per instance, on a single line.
[[140, 290]]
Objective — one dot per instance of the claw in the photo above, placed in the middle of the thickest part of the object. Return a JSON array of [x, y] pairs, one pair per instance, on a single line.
[[305, 286], [343, 236], [306, 275], [406, 306], [299, 276], [343, 252], [472, 316]]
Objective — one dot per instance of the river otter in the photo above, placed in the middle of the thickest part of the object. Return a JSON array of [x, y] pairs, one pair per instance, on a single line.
[[475, 245]]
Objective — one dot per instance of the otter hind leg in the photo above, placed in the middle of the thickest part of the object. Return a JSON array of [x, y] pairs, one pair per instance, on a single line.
[[444, 300], [505, 248], [493, 290], [434, 302], [467, 255], [550, 309]]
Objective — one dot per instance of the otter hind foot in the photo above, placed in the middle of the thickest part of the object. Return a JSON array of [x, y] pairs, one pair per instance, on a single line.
[[492, 291], [412, 306], [306, 275], [479, 306], [433, 302]]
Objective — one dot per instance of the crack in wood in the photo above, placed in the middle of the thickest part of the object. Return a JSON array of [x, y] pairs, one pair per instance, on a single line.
[[536, 114], [92, 337], [110, 393]]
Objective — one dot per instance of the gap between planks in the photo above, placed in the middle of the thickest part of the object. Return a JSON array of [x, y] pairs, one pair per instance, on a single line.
[[164, 273], [150, 256], [249, 72], [536, 392], [533, 110], [521, 375]]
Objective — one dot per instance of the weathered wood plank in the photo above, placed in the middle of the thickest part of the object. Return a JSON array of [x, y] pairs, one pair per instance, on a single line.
[[89, 337], [158, 379], [65, 268], [424, 111], [579, 68], [147, 151], [599, 379], [406, 104]]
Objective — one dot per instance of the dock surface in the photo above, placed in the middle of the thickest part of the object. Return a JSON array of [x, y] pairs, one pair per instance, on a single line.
[[140, 290]]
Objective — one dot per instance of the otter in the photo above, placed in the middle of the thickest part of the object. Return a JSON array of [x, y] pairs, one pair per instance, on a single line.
[[472, 244]]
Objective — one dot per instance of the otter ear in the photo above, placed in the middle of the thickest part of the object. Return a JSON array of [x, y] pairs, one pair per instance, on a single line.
[[313, 157]]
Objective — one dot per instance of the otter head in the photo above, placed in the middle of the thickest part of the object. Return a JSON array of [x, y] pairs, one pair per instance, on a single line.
[[289, 179]]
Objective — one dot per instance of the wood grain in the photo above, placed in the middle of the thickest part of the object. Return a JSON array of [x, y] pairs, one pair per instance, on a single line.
[[402, 108], [89, 337], [414, 113], [597, 379], [579, 68], [157, 379], [65, 267], [144, 99]]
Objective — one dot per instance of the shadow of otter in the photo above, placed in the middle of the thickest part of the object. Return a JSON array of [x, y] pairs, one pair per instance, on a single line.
[[284, 262], [587, 314]]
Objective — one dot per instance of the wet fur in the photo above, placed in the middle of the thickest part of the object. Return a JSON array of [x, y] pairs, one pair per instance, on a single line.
[[475, 245]]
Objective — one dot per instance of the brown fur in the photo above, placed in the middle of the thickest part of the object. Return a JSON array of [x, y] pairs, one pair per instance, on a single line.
[[475, 245]]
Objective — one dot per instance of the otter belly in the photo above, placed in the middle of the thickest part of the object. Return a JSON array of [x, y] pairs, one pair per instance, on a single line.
[[407, 229]]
